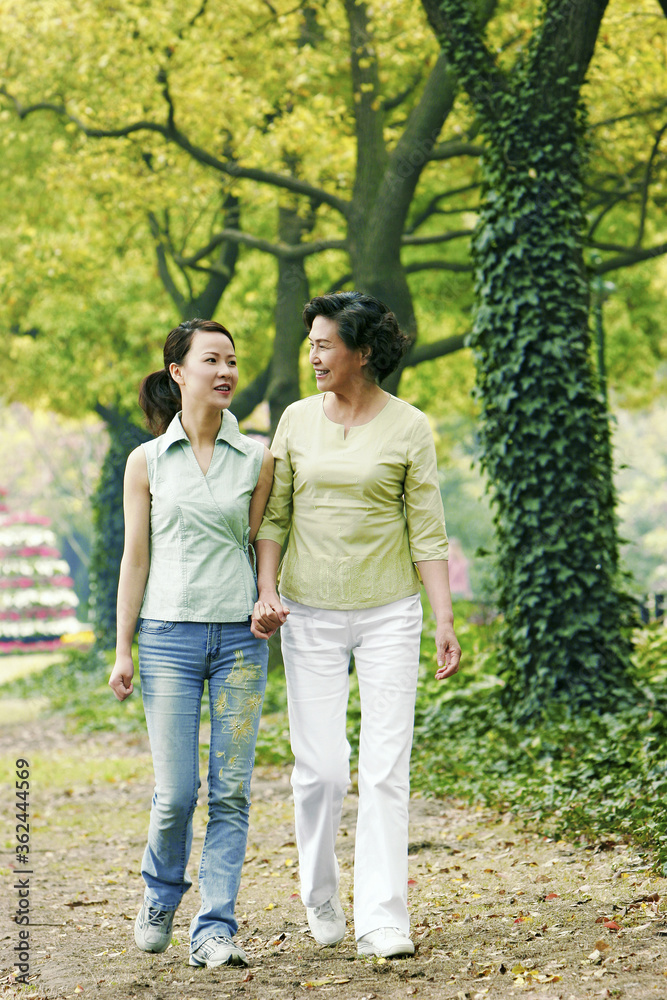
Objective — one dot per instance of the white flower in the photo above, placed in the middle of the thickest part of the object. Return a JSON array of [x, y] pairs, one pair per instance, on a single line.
[[41, 597], [41, 566], [38, 626], [28, 535]]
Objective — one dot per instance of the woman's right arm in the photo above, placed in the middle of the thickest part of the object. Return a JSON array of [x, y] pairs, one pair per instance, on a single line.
[[133, 569], [269, 613]]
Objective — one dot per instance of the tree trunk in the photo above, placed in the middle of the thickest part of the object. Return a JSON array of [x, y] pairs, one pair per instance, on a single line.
[[385, 183], [292, 295], [544, 432]]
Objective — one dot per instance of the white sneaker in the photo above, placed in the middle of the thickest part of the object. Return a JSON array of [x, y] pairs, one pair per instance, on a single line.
[[152, 928], [327, 922], [216, 951], [385, 942]]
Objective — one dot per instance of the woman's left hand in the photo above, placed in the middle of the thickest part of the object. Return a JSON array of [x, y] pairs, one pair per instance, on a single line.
[[448, 651], [267, 617]]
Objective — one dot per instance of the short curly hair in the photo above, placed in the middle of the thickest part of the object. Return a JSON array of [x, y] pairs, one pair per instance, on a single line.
[[363, 321]]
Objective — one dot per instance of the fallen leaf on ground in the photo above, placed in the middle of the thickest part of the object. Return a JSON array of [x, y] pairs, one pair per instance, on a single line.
[[327, 981], [86, 902]]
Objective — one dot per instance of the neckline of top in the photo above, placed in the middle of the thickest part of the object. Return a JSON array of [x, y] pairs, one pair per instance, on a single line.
[[354, 426]]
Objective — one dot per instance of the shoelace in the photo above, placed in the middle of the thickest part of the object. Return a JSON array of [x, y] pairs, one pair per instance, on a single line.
[[219, 939], [209, 946], [157, 917], [325, 911]]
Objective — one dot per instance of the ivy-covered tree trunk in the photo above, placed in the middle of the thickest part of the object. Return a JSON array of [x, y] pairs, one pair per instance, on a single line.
[[544, 427]]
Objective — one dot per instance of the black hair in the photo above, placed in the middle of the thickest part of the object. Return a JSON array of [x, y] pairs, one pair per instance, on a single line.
[[363, 321], [159, 395]]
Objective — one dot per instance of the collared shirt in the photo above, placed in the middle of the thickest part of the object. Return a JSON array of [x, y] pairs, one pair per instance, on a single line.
[[360, 509], [200, 566]]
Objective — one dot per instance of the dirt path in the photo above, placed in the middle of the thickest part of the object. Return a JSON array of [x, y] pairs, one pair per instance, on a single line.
[[495, 912]]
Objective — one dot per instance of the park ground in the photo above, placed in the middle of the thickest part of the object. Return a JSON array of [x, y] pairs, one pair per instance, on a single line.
[[497, 911]]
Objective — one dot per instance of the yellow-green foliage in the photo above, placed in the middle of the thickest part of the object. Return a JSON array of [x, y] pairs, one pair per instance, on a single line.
[[271, 92]]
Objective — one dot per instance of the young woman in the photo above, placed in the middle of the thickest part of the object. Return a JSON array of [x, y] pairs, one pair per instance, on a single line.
[[356, 491], [194, 499]]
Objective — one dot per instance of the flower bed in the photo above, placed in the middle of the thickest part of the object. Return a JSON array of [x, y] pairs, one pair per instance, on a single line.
[[37, 599]]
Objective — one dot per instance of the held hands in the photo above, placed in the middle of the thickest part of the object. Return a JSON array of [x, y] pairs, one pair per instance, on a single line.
[[448, 651], [121, 677], [267, 616]]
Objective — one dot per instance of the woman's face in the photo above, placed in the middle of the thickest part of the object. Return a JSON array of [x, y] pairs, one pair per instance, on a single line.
[[336, 365], [208, 374]]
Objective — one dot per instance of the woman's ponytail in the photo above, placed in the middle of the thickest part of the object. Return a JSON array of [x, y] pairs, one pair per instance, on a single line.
[[160, 399]]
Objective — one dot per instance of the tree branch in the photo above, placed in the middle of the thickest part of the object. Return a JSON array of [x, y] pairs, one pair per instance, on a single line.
[[607, 207], [455, 147], [168, 282], [566, 44], [32, 331], [421, 241], [646, 184], [394, 102], [627, 259], [338, 284], [484, 81], [284, 251], [413, 151], [438, 349], [208, 299], [170, 133], [642, 113], [433, 207], [439, 265], [368, 117], [252, 395]]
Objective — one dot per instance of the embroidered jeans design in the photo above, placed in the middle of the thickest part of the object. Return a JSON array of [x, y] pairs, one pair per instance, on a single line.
[[175, 658]]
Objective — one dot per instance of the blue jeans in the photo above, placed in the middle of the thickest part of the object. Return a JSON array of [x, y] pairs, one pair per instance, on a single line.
[[175, 658]]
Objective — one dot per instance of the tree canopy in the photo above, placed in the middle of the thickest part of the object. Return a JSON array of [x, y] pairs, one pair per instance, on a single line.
[[242, 163], [169, 162]]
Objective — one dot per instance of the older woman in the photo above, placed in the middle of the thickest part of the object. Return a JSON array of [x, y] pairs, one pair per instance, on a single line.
[[356, 490]]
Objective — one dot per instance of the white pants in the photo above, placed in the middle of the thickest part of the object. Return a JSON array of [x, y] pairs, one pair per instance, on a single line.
[[316, 646]]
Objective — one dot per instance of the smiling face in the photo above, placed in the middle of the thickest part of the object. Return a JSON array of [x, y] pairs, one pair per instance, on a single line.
[[208, 374], [336, 365]]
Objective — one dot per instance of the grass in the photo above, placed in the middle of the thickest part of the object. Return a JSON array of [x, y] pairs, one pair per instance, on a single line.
[[601, 777]]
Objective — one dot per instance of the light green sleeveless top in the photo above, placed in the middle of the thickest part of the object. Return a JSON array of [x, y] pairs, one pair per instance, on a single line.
[[200, 564]]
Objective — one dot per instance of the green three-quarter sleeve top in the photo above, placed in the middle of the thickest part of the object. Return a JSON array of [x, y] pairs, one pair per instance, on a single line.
[[360, 509]]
